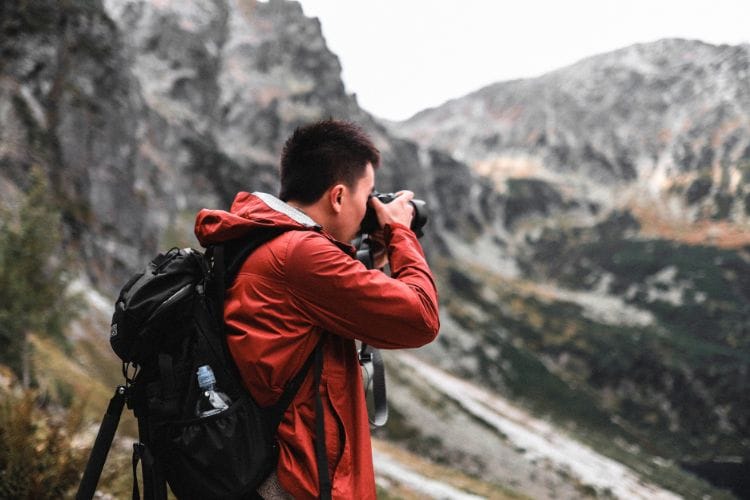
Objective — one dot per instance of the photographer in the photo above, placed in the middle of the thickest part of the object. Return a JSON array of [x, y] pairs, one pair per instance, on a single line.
[[305, 285]]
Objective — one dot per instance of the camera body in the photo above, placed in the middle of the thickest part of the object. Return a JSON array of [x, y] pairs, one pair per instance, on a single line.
[[370, 221]]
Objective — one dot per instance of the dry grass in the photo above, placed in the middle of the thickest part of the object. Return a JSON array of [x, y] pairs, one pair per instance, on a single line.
[[37, 459], [445, 475], [84, 378], [656, 224]]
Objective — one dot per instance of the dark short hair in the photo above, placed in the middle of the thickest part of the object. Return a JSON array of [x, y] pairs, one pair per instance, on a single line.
[[323, 154]]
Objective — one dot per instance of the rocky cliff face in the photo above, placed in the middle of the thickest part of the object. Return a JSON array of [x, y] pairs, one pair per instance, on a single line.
[[69, 104], [225, 85], [143, 112]]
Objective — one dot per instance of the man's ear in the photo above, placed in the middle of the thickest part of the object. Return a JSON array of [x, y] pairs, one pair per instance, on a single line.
[[335, 197]]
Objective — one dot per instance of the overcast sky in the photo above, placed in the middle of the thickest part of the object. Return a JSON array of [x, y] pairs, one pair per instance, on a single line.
[[401, 56]]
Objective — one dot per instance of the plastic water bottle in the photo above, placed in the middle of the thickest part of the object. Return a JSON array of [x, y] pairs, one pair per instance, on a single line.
[[211, 401]]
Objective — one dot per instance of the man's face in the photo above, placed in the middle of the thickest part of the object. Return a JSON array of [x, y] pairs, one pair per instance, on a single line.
[[354, 205]]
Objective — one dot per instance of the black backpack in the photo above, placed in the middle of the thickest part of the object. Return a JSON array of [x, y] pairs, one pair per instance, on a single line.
[[168, 321]]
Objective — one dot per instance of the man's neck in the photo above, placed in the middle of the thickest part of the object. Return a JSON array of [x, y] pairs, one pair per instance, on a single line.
[[321, 214]]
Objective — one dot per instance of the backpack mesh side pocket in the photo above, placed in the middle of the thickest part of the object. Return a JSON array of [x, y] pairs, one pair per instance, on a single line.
[[220, 456]]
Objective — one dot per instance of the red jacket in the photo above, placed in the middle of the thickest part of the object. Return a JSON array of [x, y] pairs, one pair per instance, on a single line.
[[296, 288]]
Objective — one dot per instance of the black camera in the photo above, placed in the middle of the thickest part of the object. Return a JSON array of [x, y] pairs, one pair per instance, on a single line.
[[370, 221]]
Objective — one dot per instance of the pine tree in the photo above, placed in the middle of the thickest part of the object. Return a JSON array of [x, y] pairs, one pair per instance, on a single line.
[[33, 278]]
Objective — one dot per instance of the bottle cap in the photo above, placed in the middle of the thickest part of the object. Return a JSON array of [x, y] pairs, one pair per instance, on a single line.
[[206, 376]]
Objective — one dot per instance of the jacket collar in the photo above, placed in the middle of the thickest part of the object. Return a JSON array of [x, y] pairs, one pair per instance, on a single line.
[[300, 217], [293, 213]]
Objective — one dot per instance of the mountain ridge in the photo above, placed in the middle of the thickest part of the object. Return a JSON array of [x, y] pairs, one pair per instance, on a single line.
[[637, 116]]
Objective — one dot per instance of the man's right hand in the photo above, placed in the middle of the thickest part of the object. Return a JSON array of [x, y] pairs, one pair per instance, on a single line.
[[399, 211]]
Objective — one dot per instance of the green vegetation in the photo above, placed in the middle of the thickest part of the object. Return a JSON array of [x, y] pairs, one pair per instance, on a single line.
[[699, 295], [530, 196], [33, 277], [43, 16], [645, 396], [37, 426]]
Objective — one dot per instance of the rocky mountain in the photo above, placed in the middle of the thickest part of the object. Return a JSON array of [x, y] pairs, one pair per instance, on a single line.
[[662, 120], [628, 347], [143, 112], [621, 183]]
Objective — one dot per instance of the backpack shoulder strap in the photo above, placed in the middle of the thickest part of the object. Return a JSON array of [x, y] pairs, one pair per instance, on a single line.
[[227, 261], [237, 251], [276, 411], [227, 258]]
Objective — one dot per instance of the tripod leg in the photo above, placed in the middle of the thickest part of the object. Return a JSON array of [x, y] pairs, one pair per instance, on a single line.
[[154, 482], [103, 442]]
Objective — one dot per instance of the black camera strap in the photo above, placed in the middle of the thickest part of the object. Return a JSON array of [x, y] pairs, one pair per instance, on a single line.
[[372, 361]]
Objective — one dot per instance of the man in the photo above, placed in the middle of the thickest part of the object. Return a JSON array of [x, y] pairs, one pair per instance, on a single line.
[[305, 285]]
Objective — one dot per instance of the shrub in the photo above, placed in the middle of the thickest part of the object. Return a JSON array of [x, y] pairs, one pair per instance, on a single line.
[[37, 459]]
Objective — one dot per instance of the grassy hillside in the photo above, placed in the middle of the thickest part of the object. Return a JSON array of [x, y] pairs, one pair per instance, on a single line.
[[689, 364], [639, 345]]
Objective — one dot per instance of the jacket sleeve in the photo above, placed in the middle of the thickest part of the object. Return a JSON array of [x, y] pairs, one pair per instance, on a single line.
[[341, 295]]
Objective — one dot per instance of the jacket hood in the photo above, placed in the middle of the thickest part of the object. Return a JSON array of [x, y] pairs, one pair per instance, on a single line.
[[249, 211]]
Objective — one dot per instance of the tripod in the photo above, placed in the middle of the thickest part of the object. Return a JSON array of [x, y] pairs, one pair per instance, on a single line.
[[154, 485]]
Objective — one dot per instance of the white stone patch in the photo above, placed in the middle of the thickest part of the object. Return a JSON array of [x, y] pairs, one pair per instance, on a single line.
[[663, 286], [483, 252], [607, 309], [96, 300]]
